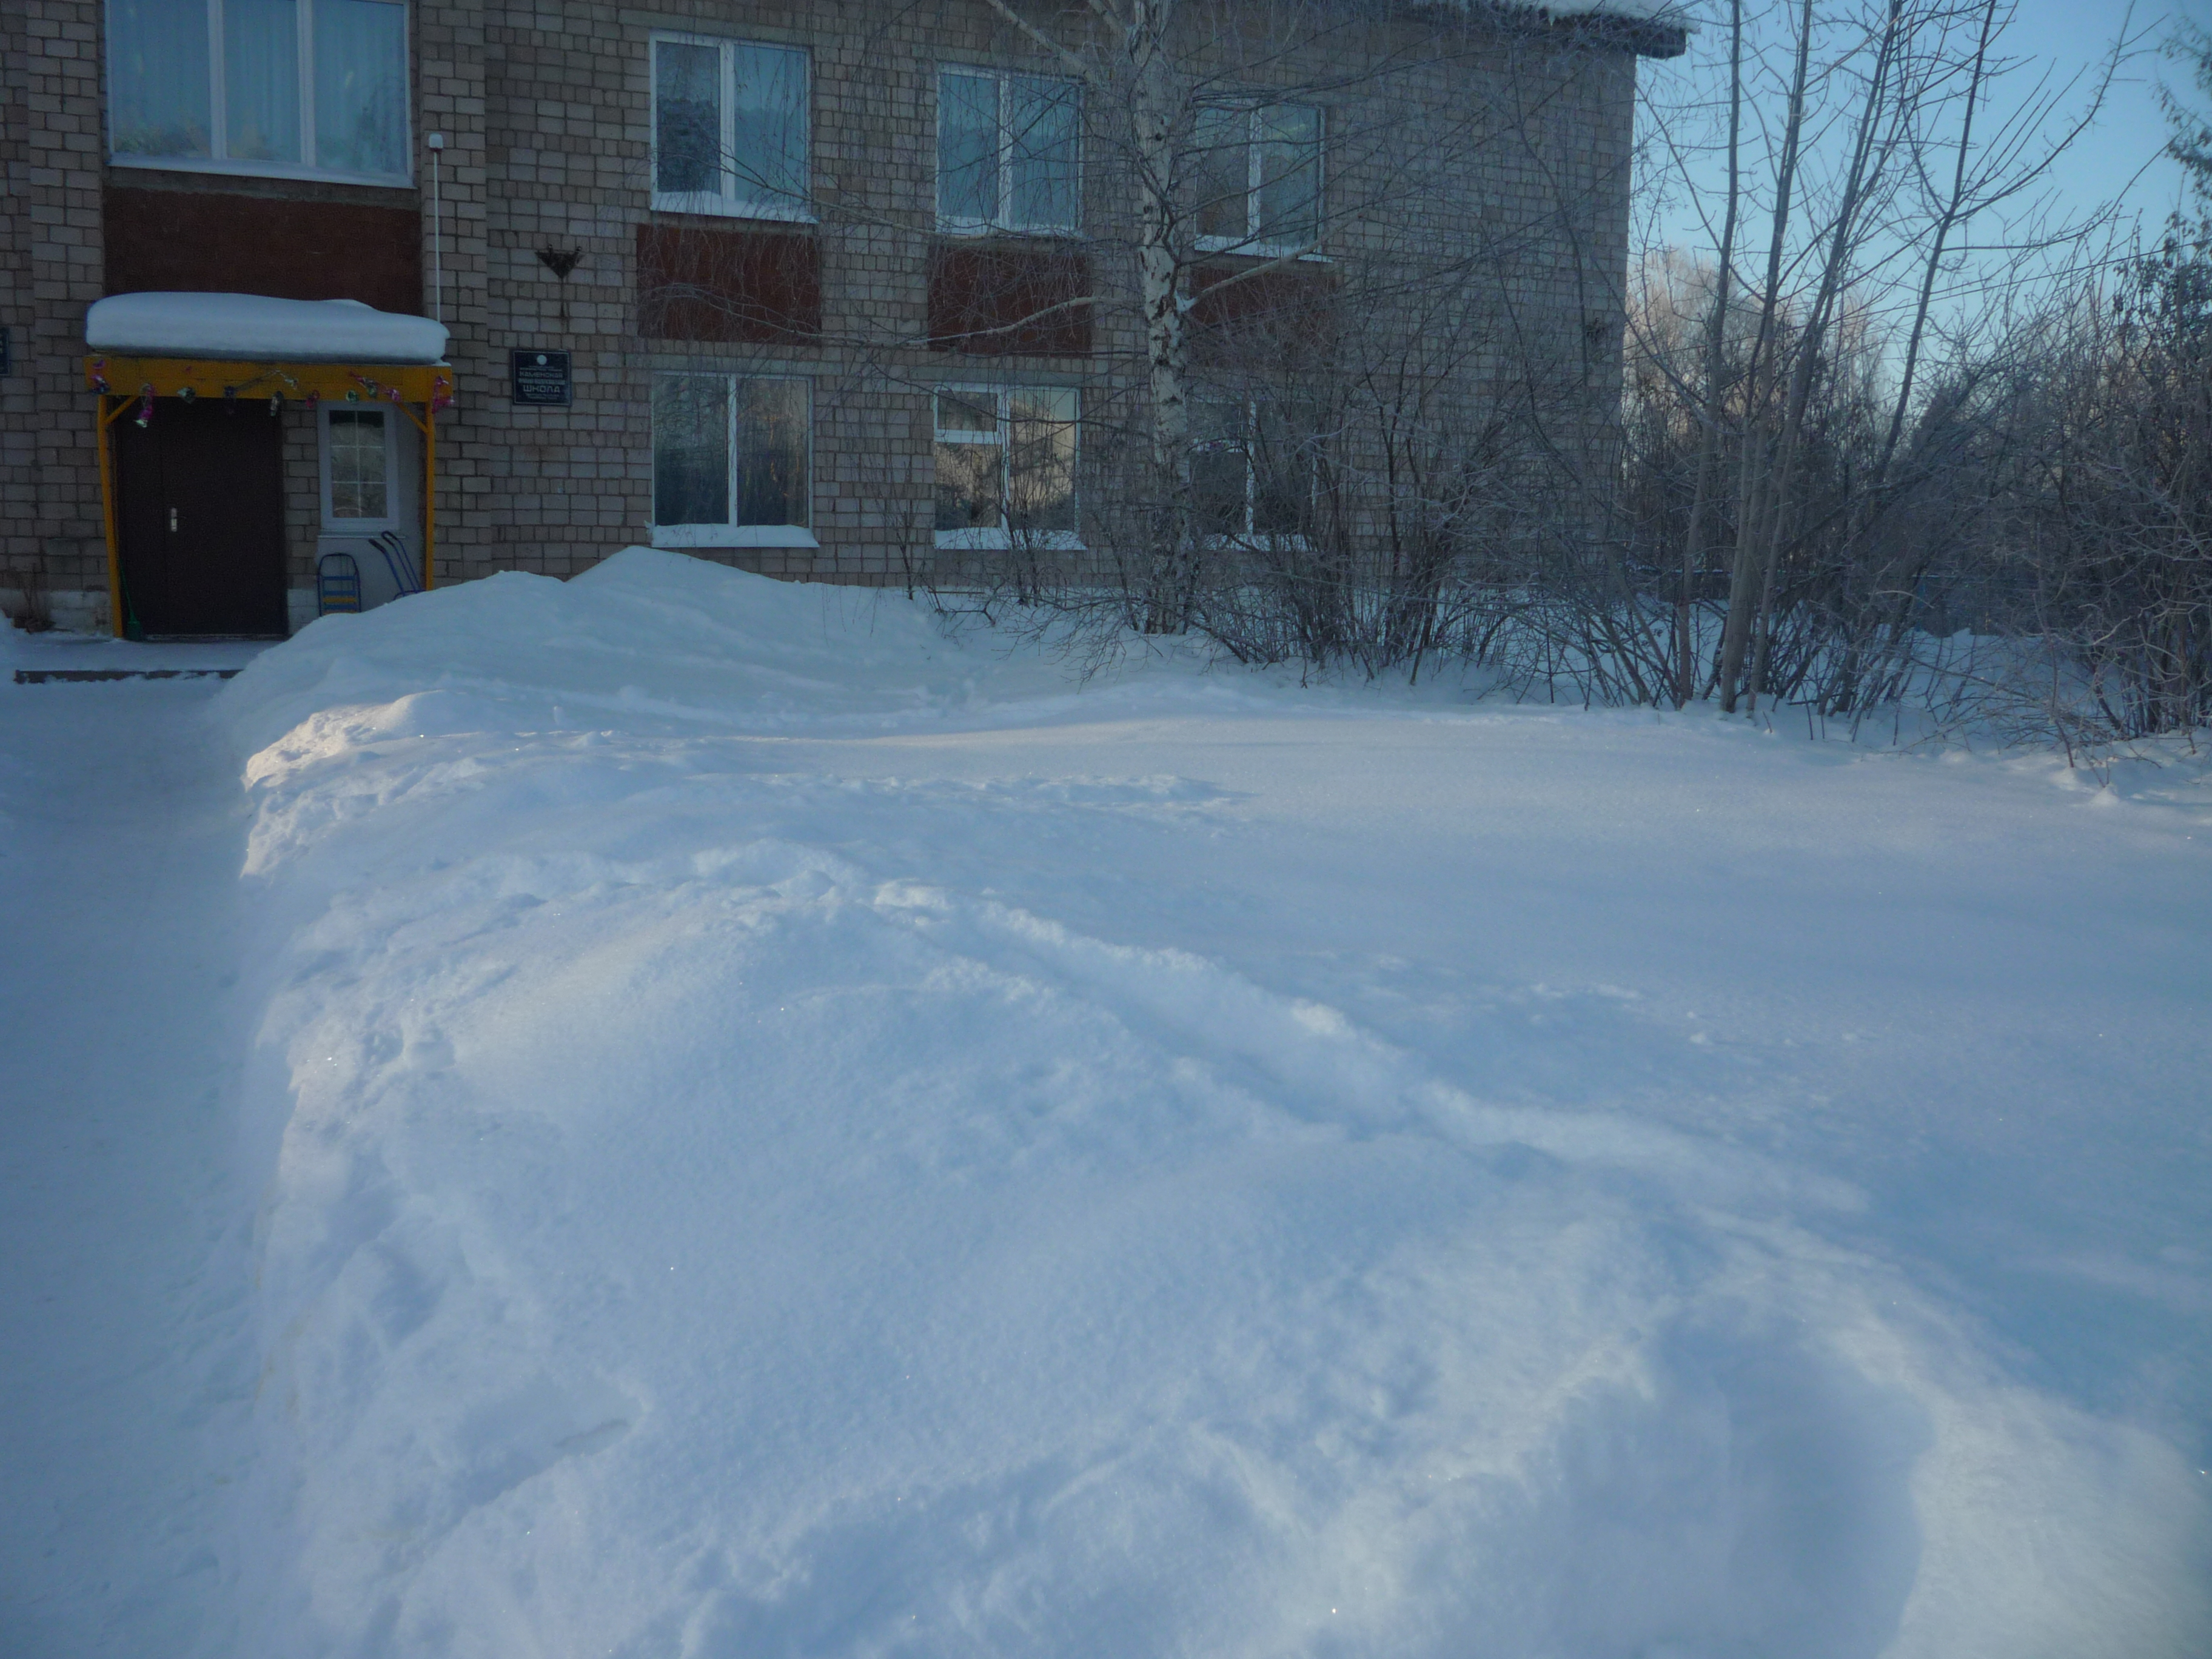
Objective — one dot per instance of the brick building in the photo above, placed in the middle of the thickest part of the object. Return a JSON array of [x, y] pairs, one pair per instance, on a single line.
[[844, 292]]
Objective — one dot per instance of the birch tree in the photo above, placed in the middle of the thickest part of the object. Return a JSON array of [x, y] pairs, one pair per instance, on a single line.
[[1170, 85]]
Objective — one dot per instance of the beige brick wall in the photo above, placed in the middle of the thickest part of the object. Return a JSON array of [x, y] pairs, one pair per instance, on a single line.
[[545, 110], [49, 477]]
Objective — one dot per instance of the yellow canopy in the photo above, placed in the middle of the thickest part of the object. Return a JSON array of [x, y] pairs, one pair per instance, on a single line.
[[420, 390]]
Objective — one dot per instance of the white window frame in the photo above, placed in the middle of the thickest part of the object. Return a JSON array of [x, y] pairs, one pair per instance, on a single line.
[[395, 490], [726, 204], [219, 125], [1003, 224], [987, 538], [1254, 168], [743, 535]]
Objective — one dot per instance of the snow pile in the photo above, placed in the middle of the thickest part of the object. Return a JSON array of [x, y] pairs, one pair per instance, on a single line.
[[254, 328], [783, 1133]]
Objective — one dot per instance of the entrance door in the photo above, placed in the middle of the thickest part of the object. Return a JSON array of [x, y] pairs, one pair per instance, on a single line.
[[200, 516]]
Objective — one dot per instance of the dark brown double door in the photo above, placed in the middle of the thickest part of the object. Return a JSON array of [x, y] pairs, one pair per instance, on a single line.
[[200, 518]]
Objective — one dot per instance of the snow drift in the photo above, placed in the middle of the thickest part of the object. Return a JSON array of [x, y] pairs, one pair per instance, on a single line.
[[783, 1133]]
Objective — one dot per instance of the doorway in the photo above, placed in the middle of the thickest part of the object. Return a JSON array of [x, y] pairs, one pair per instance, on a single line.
[[371, 524], [200, 519]]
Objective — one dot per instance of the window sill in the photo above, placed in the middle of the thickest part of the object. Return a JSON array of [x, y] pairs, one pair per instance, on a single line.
[[733, 535], [260, 170], [974, 230], [723, 207], [1288, 541], [988, 541], [1260, 249]]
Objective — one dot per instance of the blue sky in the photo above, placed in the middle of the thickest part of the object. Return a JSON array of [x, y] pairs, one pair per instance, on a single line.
[[2119, 157], [2126, 141]]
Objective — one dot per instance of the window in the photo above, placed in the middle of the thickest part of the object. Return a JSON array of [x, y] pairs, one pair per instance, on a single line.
[[1258, 179], [358, 474], [732, 461], [293, 88], [1006, 466], [730, 128], [1251, 471], [1007, 149]]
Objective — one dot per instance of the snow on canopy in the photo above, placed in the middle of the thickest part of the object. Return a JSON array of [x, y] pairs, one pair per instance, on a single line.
[[252, 327]]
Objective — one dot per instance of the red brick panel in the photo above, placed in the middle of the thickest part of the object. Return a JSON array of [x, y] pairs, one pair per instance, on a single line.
[[211, 242], [696, 283], [1023, 300], [1274, 318]]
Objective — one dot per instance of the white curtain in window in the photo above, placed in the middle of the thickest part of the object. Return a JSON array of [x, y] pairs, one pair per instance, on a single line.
[[690, 449], [1042, 144], [768, 107], [772, 452], [687, 117], [1220, 466], [360, 484], [158, 83], [1041, 459], [1289, 139], [163, 82], [360, 85], [261, 80], [694, 481], [968, 148], [1284, 438], [1223, 172], [972, 462]]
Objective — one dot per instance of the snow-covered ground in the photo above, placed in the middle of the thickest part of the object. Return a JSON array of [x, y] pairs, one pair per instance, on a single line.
[[126, 1329], [757, 1128]]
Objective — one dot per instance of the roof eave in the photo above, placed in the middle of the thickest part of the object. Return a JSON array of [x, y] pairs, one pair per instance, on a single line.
[[1646, 37]]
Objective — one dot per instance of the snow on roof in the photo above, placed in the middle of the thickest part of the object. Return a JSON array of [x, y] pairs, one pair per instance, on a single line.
[[1652, 28], [254, 328], [1670, 13]]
